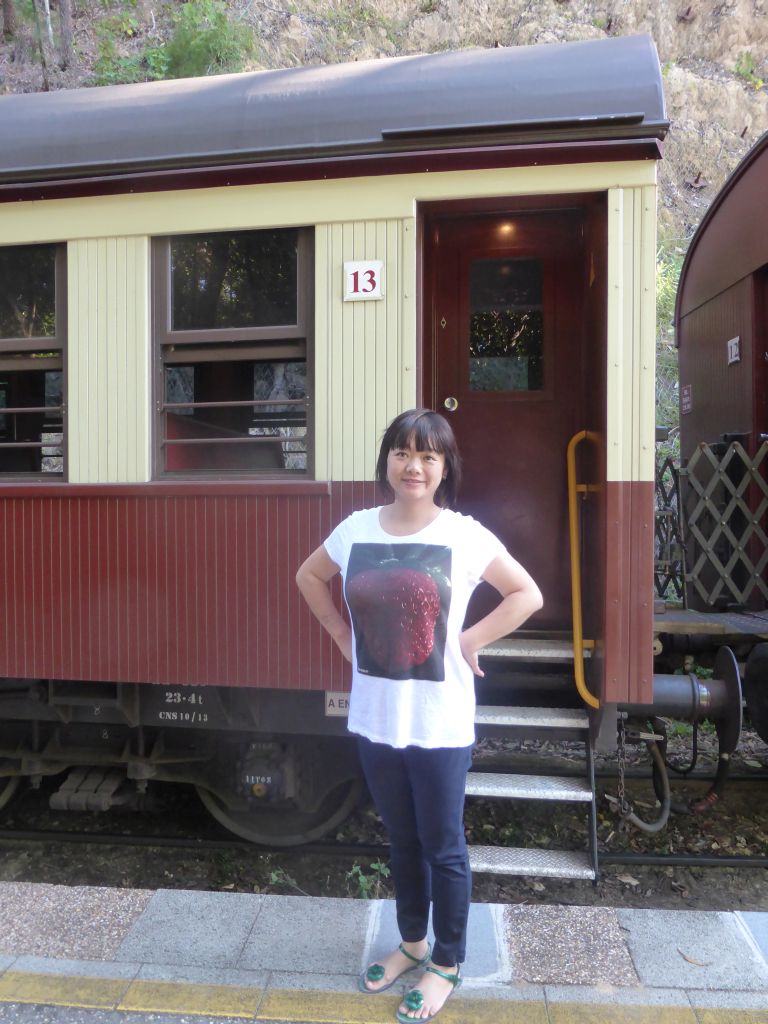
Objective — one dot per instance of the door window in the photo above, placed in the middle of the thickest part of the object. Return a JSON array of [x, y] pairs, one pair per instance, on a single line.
[[506, 325]]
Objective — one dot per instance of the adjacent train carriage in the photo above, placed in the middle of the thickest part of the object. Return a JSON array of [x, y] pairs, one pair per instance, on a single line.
[[721, 320], [214, 295]]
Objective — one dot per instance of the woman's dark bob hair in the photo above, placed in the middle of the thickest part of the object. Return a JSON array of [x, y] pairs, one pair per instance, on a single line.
[[427, 431]]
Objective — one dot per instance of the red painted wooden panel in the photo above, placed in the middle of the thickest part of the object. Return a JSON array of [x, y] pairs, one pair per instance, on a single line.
[[169, 588], [629, 592]]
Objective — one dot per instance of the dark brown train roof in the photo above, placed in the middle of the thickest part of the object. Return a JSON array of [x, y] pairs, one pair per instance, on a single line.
[[732, 240], [607, 89]]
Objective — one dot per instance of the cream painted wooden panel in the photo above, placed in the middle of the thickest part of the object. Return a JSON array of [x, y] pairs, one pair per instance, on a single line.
[[365, 352], [305, 202], [108, 363], [631, 333]]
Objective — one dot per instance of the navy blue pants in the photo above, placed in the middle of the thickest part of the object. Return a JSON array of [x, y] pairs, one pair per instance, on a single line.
[[420, 796]]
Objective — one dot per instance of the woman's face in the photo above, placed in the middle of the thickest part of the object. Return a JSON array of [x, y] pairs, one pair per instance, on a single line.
[[415, 475]]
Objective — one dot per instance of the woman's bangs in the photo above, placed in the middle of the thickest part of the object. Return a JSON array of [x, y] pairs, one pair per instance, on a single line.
[[422, 434]]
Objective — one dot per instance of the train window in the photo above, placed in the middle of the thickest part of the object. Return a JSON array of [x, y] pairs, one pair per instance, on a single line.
[[506, 325], [232, 324], [246, 279], [32, 322]]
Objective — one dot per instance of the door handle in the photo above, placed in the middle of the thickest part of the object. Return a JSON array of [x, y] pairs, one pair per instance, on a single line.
[[451, 403]]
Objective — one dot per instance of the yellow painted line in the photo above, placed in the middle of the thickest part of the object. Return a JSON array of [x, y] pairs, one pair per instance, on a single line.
[[182, 997], [62, 990], [620, 1013], [333, 1008], [324, 1007]]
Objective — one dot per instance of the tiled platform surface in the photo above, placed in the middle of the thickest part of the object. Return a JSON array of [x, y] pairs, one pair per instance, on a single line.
[[233, 956]]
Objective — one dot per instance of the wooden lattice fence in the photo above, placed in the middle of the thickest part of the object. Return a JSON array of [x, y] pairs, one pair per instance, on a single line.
[[668, 552], [725, 518]]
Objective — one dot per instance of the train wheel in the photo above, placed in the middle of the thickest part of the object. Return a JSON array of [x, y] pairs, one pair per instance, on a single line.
[[275, 826], [8, 789]]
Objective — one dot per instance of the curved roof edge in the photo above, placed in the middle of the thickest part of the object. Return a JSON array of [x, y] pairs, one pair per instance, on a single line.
[[599, 89], [732, 239]]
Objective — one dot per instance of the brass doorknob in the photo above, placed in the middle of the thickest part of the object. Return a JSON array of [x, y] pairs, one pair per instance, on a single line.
[[451, 403]]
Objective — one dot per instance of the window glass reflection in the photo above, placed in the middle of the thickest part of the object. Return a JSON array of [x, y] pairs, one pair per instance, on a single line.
[[506, 326]]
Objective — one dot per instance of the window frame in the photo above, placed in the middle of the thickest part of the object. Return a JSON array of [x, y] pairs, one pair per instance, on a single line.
[[284, 341], [58, 342]]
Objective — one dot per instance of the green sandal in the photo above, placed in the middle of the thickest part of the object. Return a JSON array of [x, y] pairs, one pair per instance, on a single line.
[[414, 999], [376, 971]]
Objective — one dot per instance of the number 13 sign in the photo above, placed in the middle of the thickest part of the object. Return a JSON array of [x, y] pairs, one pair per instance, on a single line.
[[362, 280]]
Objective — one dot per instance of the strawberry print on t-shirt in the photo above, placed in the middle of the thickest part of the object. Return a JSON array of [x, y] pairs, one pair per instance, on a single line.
[[399, 596]]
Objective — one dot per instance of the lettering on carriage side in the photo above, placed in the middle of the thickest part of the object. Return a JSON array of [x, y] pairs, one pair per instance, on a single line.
[[336, 703], [178, 697], [362, 280], [189, 717]]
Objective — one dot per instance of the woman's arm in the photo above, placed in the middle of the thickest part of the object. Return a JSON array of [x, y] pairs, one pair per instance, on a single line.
[[312, 580], [520, 599]]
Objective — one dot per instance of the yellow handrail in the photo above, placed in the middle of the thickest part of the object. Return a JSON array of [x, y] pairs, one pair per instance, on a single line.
[[579, 643]]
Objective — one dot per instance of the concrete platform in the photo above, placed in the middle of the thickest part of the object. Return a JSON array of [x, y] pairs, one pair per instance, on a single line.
[[109, 956]]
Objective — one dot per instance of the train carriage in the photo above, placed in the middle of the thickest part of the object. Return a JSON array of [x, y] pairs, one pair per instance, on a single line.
[[721, 322], [214, 295]]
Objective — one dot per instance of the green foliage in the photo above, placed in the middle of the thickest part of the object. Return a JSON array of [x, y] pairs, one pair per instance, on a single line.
[[111, 67], [367, 886], [206, 41], [746, 69], [669, 262]]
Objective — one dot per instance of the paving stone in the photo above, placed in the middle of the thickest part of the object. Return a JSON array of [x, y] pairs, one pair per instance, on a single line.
[[186, 975], [609, 995], [728, 1000], [67, 921], [315, 936], [482, 961], [568, 945], [757, 926], [75, 968], [290, 981], [692, 949], [192, 928]]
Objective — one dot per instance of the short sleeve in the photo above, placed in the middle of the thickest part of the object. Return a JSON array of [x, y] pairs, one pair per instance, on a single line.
[[484, 547], [337, 545]]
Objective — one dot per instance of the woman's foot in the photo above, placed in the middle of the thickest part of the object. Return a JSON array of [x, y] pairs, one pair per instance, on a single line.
[[407, 957], [434, 987]]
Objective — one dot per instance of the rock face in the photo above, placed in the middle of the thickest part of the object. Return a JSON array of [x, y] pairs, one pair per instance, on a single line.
[[714, 55]]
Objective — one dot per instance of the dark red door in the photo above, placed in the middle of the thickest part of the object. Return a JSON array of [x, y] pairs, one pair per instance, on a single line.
[[504, 303]]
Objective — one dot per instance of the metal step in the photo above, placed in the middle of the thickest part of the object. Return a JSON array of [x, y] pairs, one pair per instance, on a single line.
[[507, 860], [532, 650], [527, 787], [532, 718]]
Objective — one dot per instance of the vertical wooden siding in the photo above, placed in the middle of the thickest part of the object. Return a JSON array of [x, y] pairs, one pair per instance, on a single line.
[[721, 394], [630, 455], [108, 362], [365, 352], [166, 589]]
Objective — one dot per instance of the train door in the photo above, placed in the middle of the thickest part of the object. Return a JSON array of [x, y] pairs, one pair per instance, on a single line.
[[504, 360], [760, 347]]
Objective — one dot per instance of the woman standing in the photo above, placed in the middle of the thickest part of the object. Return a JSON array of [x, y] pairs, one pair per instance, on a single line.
[[409, 569]]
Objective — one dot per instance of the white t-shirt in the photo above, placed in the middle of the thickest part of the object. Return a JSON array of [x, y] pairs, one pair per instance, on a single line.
[[407, 599]]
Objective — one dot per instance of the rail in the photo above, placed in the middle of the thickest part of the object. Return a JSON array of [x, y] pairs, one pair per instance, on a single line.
[[579, 643]]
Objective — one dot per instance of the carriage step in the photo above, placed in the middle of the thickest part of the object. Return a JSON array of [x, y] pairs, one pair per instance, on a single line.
[[532, 718], [520, 649], [507, 860], [527, 787]]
